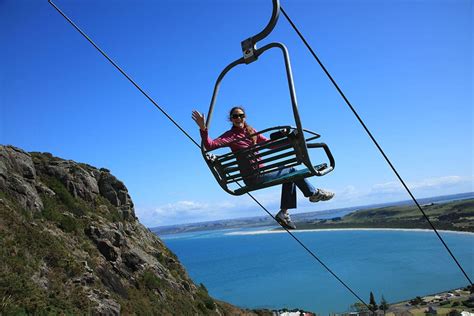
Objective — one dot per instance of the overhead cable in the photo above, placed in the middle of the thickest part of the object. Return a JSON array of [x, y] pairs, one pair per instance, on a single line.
[[184, 132], [374, 141]]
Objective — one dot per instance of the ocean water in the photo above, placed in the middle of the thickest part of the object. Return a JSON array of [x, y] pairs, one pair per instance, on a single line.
[[270, 270]]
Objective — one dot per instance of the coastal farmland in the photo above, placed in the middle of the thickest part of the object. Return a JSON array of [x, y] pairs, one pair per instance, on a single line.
[[455, 216]]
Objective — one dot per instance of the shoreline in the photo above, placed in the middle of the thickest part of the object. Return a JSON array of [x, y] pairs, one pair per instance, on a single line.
[[263, 232]]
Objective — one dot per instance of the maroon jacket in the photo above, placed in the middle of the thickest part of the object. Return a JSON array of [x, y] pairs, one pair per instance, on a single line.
[[247, 164], [228, 137]]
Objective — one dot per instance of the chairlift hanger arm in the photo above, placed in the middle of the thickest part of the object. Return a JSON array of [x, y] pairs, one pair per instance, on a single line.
[[249, 45], [242, 61], [217, 86], [271, 24]]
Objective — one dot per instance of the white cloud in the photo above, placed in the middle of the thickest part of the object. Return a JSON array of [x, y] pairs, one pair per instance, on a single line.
[[348, 193], [188, 211], [181, 207], [352, 195], [185, 212], [425, 184], [440, 182], [388, 187]]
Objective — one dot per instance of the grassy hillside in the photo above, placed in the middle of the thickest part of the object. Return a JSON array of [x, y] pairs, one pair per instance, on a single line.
[[457, 215], [70, 244]]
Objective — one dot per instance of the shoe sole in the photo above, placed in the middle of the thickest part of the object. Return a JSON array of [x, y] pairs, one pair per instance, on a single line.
[[327, 198], [283, 224]]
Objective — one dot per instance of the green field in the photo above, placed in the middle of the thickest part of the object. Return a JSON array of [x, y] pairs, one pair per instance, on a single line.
[[456, 215]]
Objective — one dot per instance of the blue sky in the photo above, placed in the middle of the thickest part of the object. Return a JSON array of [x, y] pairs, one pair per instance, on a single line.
[[405, 65]]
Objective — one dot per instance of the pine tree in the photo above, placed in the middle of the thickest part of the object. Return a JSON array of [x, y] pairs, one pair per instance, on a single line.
[[383, 305], [372, 303]]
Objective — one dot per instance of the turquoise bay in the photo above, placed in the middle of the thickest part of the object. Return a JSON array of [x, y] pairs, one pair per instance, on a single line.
[[270, 270]]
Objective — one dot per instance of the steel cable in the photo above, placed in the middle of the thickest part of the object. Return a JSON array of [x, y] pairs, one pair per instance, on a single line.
[[251, 196], [374, 141], [124, 73]]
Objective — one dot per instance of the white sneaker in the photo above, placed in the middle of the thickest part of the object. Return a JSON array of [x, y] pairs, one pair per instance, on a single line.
[[284, 219], [321, 195]]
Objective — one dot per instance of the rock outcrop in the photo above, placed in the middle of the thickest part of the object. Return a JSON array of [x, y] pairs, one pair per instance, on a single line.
[[70, 243]]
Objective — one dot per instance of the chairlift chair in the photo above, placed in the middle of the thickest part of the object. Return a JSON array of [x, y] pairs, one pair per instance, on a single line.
[[287, 146]]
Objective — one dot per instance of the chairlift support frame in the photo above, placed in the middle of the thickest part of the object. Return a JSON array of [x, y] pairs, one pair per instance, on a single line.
[[226, 174]]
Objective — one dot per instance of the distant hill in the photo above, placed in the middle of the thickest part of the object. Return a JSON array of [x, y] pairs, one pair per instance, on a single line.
[[70, 244], [455, 215], [305, 219]]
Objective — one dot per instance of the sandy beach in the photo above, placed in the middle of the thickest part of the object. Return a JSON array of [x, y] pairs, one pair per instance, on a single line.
[[272, 231]]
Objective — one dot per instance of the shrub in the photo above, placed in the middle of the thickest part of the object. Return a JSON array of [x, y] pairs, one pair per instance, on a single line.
[[469, 302], [416, 301], [68, 224], [205, 298], [150, 280]]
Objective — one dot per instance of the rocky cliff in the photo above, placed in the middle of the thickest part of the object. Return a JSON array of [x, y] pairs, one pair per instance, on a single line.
[[70, 244]]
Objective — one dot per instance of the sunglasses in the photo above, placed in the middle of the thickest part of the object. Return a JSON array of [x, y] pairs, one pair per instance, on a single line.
[[236, 116]]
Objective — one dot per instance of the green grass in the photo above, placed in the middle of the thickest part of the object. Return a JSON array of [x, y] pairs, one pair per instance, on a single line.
[[23, 248], [64, 199], [150, 281], [457, 215], [51, 245]]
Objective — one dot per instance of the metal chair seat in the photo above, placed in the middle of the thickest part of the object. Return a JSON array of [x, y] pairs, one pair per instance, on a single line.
[[290, 177]]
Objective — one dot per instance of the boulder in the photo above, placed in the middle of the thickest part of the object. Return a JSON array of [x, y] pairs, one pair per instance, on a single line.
[[17, 178], [115, 191], [107, 250]]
